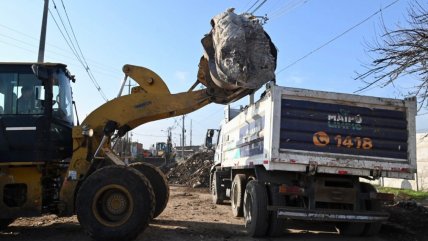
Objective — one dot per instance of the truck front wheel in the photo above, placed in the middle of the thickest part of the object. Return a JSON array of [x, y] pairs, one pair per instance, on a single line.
[[115, 203], [237, 195], [255, 209], [215, 186]]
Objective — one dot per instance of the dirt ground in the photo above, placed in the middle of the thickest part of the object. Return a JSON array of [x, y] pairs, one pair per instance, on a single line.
[[191, 216]]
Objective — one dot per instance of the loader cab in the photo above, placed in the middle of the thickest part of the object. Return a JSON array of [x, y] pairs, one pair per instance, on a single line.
[[36, 112]]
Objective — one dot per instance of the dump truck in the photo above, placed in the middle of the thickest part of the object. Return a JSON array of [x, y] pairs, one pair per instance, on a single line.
[[305, 155], [52, 164]]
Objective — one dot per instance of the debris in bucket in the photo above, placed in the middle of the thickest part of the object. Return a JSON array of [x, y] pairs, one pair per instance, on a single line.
[[239, 52]]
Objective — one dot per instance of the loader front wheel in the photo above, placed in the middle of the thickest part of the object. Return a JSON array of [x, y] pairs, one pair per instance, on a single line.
[[159, 183], [4, 222], [115, 203]]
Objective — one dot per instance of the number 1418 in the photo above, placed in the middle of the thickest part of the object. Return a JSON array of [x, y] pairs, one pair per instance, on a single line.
[[355, 142]]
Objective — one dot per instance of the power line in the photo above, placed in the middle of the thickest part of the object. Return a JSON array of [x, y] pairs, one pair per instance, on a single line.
[[257, 8], [149, 135], [50, 51], [80, 57], [71, 45], [62, 33], [72, 31], [28, 50], [335, 38], [286, 8], [102, 66], [248, 10], [78, 45]]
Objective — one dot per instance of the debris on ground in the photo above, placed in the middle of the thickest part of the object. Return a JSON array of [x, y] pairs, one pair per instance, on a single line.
[[193, 172], [408, 221]]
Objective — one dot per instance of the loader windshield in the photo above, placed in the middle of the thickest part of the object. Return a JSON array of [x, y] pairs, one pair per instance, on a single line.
[[23, 93], [20, 93], [62, 101]]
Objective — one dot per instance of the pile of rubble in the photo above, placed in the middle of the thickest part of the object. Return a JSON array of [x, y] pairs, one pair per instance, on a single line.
[[408, 221], [193, 172]]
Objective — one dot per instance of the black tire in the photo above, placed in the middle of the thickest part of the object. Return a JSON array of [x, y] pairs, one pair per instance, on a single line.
[[276, 225], [255, 209], [350, 229], [237, 195], [5, 222], [115, 203], [371, 229], [217, 198], [159, 184]]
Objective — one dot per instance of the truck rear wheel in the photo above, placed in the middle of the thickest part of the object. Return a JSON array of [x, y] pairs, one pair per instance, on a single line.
[[4, 222], [159, 184], [115, 203], [350, 229], [237, 195], [276, 225], [371, 229], [255, 209]]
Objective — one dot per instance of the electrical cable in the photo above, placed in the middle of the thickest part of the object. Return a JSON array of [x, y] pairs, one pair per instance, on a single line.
[[75, 52], [248, 10], [336, 37], [257, 8], [102, 66]]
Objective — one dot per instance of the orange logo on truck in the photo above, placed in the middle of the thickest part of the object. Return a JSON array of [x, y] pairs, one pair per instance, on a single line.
[[321, 138]]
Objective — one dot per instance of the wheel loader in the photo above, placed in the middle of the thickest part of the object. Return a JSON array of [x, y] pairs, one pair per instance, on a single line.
[[48, 165]]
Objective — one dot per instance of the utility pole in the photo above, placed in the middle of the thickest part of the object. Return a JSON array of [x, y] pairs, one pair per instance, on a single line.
[[41, 56], [182, 136], [190, 132]]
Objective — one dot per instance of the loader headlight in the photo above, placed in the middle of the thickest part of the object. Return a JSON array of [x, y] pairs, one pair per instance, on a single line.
[[88, 132]]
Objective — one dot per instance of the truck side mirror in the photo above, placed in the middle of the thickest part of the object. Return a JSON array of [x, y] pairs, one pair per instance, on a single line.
[[209, 138]]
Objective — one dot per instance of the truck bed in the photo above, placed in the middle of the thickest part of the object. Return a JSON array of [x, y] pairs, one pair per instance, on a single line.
[[324, 132]]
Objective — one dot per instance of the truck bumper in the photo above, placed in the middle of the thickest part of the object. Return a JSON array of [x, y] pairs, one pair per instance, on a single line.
[[331, 215]]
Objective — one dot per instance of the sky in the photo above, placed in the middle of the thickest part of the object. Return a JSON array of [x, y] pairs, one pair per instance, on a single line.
[[164, 36]]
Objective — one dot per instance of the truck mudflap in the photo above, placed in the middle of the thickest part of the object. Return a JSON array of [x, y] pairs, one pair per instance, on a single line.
[[330, 215]]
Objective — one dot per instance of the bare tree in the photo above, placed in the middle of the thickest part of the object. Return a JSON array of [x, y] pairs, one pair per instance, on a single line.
[[402, 52]]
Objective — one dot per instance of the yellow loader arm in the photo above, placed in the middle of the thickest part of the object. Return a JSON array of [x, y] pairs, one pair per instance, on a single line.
[[152, 100]]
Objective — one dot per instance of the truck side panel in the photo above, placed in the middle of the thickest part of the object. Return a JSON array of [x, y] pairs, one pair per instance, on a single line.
[[244, 141], [333, 128]]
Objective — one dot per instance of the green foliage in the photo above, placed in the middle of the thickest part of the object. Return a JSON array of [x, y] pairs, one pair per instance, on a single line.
[[404, 194]]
